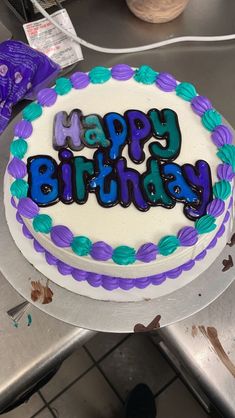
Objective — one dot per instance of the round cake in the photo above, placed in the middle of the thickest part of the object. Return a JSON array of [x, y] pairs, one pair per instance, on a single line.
[[121, 179]]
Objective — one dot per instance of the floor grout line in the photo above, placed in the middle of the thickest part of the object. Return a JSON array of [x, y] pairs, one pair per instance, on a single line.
[[103, 374], [109, 351], [42, 397], [55, 415], [39, 411], [70, 384], [48, 403], [118, 344], [166, 386], [97, 365]]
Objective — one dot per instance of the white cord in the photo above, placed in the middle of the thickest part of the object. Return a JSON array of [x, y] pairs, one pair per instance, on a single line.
[[135, 49]]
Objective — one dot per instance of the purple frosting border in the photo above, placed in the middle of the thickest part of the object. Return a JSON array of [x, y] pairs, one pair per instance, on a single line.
[[111, 283]]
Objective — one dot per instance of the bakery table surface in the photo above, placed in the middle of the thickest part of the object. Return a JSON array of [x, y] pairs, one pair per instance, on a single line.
[[204, 343]]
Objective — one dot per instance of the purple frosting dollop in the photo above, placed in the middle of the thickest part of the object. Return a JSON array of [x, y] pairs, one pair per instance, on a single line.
[[142, 282], [27, 208], [61, 236], [200, 105], [79, 275], [94, 279], [18, 218], [201, 255], [174, 273], [230, 203], [215, 208], [51, 260], [26, 232], [225, 172], [64, 268], [13, 202], [221, 231], [47, 97], [110, 284], [158, 279], [17, 168], [122, 72], [38, 246], [23, 129], [126, 284], [188, 265], [187, 236], [101, 251], [166, 82], [227, 216], [222, 135], [212, 243], [79, 80], [147, 252]]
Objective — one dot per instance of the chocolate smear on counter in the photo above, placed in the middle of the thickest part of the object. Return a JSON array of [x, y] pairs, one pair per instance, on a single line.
[[194, 331], [227, 263], [232, 242], [41, 293], [154, 324], [212, 335]]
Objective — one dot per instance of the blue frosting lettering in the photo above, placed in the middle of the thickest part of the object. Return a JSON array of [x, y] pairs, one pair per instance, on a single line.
[[177, 185], [139, 132], [43, 181], [106, 190], [117, 129]]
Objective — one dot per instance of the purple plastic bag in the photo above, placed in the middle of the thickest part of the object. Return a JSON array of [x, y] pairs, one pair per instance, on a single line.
[[23, 72]]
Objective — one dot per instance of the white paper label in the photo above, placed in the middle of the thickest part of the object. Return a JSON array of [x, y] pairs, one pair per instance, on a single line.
[[45, 37]]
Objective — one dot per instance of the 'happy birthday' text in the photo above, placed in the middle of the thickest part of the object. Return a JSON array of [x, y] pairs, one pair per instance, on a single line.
[[107, 175]]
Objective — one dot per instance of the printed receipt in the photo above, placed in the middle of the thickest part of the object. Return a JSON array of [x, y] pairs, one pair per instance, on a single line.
[[45, 37]]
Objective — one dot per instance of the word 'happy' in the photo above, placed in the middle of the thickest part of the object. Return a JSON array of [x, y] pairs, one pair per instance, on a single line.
[[107, 175]]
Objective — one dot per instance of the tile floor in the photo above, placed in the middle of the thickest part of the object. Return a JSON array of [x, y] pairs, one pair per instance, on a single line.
[[94, 382]]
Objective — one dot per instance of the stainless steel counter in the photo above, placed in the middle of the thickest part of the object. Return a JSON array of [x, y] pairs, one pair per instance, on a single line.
[[204, 346], [27, 353]]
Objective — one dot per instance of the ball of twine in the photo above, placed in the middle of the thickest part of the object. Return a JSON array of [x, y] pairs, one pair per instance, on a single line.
[[157, 11]]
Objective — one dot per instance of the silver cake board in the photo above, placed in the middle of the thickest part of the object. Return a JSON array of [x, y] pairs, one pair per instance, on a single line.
[[101, 315]]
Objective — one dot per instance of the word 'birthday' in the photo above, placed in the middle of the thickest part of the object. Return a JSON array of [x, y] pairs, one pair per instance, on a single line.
[[107, 174]]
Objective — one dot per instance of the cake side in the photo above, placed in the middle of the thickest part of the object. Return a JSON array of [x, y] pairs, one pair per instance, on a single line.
[[99, 286]]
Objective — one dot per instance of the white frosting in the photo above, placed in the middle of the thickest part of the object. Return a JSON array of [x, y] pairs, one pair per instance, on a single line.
[[124, 226], [111, 225]]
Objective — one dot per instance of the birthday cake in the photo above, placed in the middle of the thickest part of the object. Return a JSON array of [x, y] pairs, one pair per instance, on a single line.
[[122, 178]]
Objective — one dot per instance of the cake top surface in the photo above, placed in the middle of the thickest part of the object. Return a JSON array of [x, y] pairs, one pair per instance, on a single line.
[[130, 170]]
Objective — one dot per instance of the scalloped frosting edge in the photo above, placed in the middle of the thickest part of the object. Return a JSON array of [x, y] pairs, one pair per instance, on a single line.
[[110, 282]]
